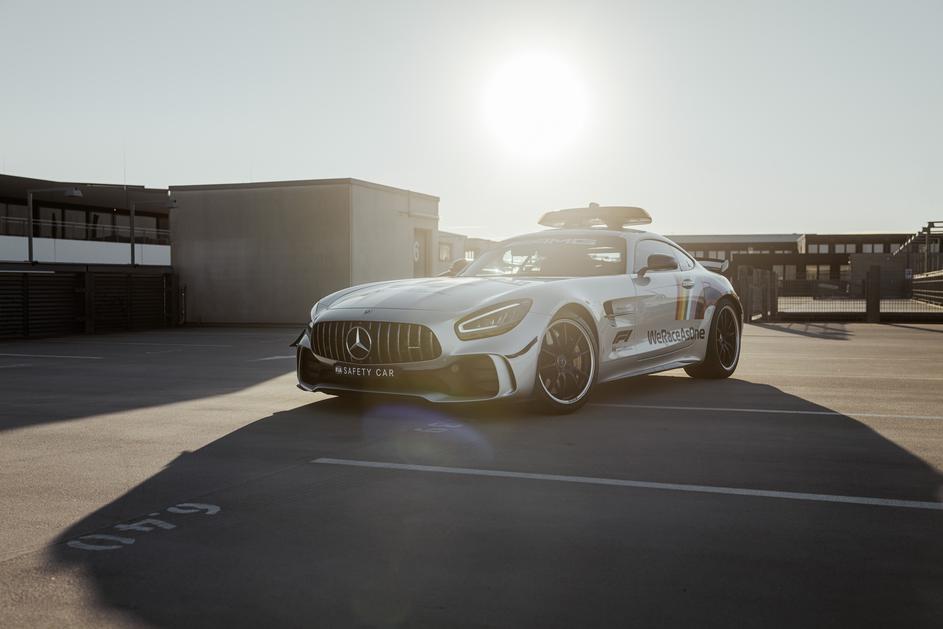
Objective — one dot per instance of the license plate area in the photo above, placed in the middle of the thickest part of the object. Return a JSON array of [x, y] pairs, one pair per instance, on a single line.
[[365, 373]]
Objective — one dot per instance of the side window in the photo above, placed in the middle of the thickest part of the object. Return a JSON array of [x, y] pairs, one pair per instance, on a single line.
[[685, 263], [645, 248]]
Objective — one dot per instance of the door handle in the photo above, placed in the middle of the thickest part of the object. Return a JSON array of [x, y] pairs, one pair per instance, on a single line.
[[687, 283]]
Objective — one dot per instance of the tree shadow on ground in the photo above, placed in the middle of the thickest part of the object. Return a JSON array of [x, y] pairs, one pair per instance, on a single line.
[[297, 543]]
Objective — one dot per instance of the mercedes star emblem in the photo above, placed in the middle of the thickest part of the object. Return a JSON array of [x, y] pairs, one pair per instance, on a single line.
[[358, 342]]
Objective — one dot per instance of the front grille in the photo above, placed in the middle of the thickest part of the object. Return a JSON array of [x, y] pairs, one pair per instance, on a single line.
[[389, 343]]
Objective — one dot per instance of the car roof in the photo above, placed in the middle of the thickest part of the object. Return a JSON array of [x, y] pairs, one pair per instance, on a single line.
[[628, 234]]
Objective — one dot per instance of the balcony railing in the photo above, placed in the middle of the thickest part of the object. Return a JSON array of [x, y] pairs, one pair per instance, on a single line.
[[65, 230]]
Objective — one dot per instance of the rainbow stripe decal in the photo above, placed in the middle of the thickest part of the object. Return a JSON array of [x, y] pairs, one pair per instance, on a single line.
[[688, 305]]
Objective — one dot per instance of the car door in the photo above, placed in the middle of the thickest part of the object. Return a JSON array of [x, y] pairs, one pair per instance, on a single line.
[[661, 299], [689, 312]]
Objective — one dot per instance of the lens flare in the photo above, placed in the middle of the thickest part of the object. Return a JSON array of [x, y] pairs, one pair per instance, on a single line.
[[535, 105]]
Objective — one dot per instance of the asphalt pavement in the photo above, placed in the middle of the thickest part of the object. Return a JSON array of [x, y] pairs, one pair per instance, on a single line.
[[178, 478]]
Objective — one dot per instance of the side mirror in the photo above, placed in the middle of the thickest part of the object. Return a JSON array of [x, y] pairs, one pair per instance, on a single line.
[[659, 262], [456, 267]]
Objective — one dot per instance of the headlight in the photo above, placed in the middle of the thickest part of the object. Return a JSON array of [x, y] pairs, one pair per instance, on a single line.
[[493, 320]]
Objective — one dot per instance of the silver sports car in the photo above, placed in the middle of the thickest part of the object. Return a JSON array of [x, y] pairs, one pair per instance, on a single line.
[[543, 316]]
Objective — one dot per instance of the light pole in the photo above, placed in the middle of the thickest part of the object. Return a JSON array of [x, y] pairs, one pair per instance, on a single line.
[[152, 205], [71, 191]]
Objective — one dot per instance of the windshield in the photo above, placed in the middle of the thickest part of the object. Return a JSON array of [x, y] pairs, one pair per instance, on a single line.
[[552, 257]]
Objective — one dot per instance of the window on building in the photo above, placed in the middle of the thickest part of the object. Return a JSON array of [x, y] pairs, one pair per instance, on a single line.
[[879, 247], [49, 223], [470, 255], [145, 229], [122, 227], [811, 272], [825, 271], [867, 247], [12, 219], [851, 248], [839, 248], [445, 252], [844, 272], [790, 270], [895, 247], [74, 224], [812, 248], [100, 226], [779, 270]]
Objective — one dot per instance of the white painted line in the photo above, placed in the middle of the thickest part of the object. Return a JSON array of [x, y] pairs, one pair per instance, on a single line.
[[616, 482], [53, 356], [16, 365], [255, 360], [775, 411]]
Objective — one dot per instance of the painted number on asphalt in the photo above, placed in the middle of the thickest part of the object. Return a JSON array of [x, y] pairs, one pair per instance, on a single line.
[[104, 541]]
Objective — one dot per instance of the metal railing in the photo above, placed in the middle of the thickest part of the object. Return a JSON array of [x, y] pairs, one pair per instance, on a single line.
[[766, 297], [821, 289], [67, 230], [923, 249], [928, 288]]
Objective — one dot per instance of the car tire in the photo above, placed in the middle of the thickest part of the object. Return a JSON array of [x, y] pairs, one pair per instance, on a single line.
[[723, 344], [567, 364]]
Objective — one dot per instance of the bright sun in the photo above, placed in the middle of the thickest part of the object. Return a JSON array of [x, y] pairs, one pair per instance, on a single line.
[[535, 105]]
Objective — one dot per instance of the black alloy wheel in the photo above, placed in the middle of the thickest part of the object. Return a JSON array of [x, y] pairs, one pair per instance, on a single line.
[[566, 365], [727, 338], [723, 345]]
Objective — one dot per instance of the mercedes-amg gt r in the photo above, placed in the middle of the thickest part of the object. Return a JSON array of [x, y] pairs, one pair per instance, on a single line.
[[543, 316]]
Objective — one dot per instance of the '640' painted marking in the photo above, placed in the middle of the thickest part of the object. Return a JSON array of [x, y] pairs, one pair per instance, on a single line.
[[107, 541]]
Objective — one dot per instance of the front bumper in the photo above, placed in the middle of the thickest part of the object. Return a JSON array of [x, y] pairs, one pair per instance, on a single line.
[[497, 368]]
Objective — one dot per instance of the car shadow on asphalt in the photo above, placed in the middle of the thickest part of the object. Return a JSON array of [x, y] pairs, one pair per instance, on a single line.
[[301, 544]]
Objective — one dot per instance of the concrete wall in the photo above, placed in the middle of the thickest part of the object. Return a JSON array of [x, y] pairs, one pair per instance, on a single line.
[[63, 251], [260, 253], [383, 224]]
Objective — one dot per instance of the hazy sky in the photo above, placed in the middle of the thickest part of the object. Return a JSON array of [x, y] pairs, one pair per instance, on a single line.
[[720, 116]]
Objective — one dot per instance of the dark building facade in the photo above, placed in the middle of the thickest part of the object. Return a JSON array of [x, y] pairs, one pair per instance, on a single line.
[[94, 228], [76, 274], [793, 256]]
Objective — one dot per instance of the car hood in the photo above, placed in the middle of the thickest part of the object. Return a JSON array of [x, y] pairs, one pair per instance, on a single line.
[[434, 293]]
